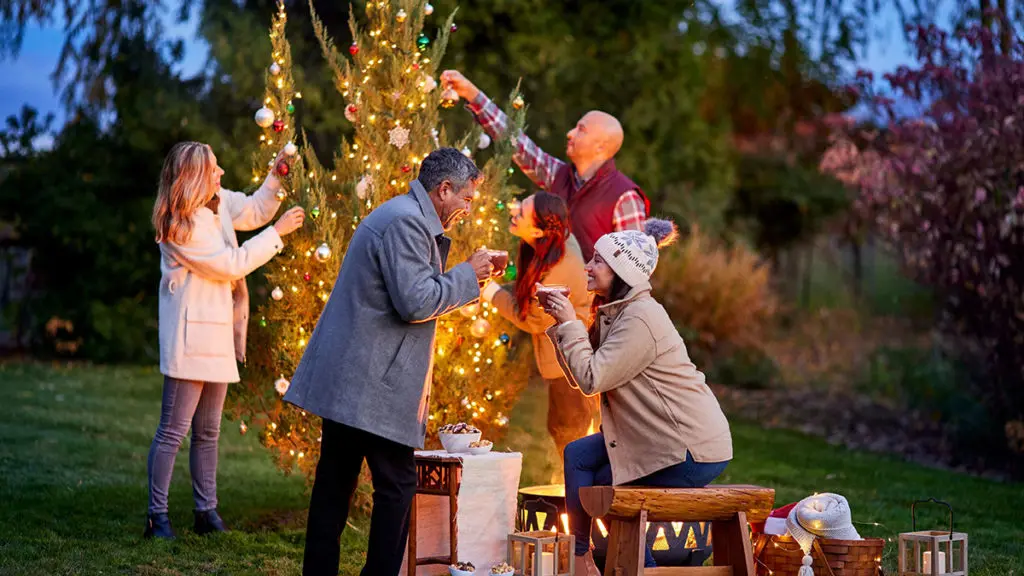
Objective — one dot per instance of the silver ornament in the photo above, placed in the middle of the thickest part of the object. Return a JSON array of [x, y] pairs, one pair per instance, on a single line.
[[264, 117], [467, 152], [277, 293], [484, 142], [323, 253], [290, 149], [428, 9], [275, 69]]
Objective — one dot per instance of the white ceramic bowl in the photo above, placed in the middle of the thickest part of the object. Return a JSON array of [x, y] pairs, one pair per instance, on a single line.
[[458, 443], [456, 572], [478, 450]]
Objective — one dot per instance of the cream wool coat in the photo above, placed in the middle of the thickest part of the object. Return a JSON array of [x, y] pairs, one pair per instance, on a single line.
[[204, 301], [655, 405]]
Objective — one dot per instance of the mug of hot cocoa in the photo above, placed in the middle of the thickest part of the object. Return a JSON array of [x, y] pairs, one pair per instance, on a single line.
[[499, 260], [543, 291]]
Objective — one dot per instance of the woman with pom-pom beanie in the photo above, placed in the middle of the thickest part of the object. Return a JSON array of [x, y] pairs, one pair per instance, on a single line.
[[662, 425]]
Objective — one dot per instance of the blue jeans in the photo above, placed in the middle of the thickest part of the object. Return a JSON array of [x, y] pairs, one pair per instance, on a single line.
[[586, 464], [186, 403]]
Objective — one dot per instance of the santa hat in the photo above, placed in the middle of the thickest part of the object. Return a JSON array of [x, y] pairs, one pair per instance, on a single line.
[[775, 523]]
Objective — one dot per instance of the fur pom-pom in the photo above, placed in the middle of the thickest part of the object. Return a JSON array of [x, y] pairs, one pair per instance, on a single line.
[[664, 232]]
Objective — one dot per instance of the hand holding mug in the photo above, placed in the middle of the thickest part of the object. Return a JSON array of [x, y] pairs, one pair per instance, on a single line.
[[481, 263], [556, 303]]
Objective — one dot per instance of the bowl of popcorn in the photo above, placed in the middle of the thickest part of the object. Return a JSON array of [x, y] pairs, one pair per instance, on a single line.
[[480, 447], [456, 438], [502, 569], [462, 569]]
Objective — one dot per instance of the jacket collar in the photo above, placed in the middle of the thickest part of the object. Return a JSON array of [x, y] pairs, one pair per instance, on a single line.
[[419, 193], [636, 292]]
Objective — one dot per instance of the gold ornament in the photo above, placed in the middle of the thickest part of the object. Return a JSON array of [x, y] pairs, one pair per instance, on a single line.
[[323, 253], [518, 103], [449, 97], [401, 16], [480, 328]]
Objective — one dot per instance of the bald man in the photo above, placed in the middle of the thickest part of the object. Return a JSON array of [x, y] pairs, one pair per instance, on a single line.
[[601, 199]]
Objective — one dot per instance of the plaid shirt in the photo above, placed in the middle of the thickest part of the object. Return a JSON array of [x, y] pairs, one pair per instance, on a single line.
[[541, 167]]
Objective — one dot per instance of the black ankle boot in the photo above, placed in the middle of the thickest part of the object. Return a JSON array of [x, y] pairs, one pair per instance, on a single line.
[[208, 522], [158, 526]]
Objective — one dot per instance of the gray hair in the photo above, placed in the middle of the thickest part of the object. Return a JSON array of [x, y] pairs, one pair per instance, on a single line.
[[447, 164]]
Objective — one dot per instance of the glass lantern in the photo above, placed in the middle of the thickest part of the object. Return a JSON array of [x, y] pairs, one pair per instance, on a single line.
[[932, 552], [541, 553]]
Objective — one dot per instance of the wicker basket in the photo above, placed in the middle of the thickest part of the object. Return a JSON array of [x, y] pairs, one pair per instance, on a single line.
[[782, 556]]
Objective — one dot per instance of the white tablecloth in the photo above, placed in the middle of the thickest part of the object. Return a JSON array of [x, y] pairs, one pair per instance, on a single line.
[[487, 511]]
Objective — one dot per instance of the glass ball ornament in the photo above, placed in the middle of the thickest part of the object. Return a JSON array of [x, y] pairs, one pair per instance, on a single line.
[[467, 152], [291, 108], [315, 212], [282, 168], [263, 322], [401, 16], [353, 49], [264, 117], [449, 97], [505, 338], [480, 327], [453, 28], [350, 112], [484, 141], [277, 293], [518, 102], [500, 206], [290, 149], [275, 69], [307, 276], [281, 385], [422, 41], [323, 253], [278, 125], [428, 9], [510, 272]]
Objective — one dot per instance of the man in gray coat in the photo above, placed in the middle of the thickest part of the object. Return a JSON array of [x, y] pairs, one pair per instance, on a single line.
[[366, 370]]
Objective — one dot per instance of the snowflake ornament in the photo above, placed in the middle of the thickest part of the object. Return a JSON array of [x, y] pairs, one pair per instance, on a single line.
[[398, 137]]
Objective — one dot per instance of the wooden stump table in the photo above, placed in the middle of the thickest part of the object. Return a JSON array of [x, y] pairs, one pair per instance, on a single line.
[[627, 510]]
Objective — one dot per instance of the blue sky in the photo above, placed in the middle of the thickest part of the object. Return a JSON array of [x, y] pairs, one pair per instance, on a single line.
[[26, 79]]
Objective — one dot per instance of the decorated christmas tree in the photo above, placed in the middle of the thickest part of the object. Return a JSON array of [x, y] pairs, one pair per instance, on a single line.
[[387, 81]]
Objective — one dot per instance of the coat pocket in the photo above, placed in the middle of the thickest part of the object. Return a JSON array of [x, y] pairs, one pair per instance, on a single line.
[[209, 331], [402, 362]]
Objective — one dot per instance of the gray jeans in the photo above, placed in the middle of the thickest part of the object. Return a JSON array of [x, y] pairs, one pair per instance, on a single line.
[[186, 403]]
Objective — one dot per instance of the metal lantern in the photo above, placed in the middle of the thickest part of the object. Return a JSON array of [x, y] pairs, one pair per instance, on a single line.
[[932, 552], [541, 553]]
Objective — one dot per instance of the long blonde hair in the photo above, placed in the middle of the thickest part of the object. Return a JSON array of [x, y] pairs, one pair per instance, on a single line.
[[184, 188]]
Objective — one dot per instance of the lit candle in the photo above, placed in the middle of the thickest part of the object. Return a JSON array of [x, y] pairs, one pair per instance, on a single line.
[[927, 562], [547, 564]]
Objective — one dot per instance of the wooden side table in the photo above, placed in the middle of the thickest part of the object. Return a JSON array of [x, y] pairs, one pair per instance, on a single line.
[[436, 476]]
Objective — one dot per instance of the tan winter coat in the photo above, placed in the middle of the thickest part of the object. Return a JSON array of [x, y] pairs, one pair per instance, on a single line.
[[203, 299], [655, 405], [569, 272]]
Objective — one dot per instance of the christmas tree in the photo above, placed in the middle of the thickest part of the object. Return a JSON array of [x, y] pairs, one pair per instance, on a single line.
[[387, 81]]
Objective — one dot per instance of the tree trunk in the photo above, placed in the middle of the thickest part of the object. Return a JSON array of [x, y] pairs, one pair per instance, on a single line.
[[1005, 28], [858, 267], [987, 48]]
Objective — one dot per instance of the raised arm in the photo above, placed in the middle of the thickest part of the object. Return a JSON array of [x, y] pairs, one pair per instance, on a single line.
[[251, 212], [208, 255], [627, 350], [418, 290], [538, 165]]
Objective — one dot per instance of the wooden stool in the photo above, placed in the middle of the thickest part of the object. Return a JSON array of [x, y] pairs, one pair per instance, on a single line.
[[627, 510], [437, 477]]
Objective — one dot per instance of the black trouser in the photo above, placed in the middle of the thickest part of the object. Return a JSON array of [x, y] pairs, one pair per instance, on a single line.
[[393, 467]]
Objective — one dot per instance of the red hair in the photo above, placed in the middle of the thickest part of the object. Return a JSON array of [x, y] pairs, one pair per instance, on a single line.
[[551, 216]]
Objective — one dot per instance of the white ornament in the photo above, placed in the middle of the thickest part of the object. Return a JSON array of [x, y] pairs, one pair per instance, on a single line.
[[275, 69], [281, 385], [467, 152], [264, 117], [323, 253], [363, 187], [470, 310], [484, 142], [480, 327], [290, 149], [434, 134], [428, 84], [428, 9], [277, 293], [398, 137]]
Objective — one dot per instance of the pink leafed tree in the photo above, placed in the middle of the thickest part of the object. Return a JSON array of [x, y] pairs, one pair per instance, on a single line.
[[945, 188]]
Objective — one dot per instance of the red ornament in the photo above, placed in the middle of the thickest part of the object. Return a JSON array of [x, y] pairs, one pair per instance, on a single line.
[[353, 49], [283, 168], [454, 27], [406, 168], [415, 65], [278, 125], [306, 277]]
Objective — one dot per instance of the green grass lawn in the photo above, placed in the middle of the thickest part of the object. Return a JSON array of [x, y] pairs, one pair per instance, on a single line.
[[73, 445]]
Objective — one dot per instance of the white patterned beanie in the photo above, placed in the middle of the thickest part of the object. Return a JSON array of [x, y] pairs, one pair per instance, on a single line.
[[632, 254], [820, 516]]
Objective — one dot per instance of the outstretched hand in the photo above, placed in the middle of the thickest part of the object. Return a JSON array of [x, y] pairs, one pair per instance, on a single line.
[[462, 86], [558, 307]]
